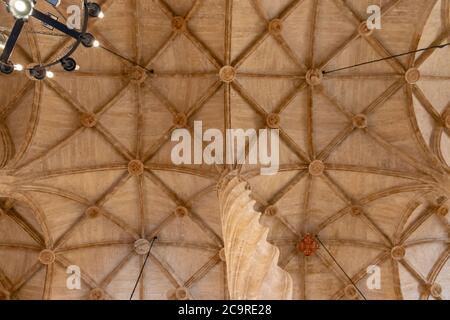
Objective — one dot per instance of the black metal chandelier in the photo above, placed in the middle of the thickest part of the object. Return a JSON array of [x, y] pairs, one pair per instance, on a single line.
[[22, 11]]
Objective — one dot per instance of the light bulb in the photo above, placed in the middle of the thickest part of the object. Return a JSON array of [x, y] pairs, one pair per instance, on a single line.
[[101, 15], [96, 44], [50, 74], [18, 67], [20, 6], [21, 9]]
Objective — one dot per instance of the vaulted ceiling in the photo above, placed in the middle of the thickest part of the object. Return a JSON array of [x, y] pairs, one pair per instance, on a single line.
[[87, 172]]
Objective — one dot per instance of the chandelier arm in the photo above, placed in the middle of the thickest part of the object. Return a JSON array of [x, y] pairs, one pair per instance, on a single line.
[[78, 42], [12, 39], [56, 24]]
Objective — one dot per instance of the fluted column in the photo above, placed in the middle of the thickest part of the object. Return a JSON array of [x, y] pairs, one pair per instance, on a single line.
[[252, 262]]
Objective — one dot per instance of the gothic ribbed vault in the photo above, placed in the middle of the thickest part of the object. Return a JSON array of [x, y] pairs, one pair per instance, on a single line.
[[365, 153]]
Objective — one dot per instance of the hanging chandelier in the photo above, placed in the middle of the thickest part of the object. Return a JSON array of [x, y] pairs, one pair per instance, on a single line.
[[24, 10]]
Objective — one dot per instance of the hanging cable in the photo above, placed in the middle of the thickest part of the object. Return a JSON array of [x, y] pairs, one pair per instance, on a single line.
[[143, 266], [340, 267], [126, 59], [388, 58]]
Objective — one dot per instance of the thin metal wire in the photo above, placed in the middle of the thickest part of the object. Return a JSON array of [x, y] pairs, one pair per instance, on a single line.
[[143, 266], [340, 267], [125, 58], [442, 46]]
